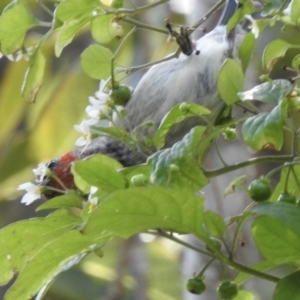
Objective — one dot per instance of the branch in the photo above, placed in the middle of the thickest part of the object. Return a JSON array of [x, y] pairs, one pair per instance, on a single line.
[[135, 10], [249, 162]]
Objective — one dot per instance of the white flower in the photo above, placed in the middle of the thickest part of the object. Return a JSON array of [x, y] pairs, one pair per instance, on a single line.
[[254, 27], [10, 57], [33, 192], [100, 107], [93, 200], [41, 172], [101, 96], [24, 53], [85, 129], [93, 190]]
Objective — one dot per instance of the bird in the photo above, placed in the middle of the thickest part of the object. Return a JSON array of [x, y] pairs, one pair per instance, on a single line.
[[192, 77]]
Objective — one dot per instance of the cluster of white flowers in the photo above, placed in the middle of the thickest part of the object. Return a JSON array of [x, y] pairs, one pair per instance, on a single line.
[[34, 192], [18, 55], [100, 108]]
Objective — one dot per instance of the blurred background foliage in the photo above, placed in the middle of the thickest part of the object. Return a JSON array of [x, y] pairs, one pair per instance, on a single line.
[[37, 132]]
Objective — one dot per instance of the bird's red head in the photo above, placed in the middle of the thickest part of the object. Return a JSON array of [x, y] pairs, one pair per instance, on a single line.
[[61, 177]]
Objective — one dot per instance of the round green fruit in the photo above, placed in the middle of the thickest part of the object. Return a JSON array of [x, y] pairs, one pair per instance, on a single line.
[[121, 95], [227, 290], [139, 180], [196, 286], [230, 134], [287, 197], [260, 190], [184, 107]]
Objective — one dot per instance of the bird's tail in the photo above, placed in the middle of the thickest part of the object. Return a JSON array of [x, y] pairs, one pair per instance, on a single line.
[[228, 12]]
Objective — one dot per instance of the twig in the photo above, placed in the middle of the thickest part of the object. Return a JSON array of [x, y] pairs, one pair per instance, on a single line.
[[249, 162]]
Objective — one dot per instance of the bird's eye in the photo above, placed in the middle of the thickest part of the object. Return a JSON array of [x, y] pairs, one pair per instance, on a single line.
[[51, 164]]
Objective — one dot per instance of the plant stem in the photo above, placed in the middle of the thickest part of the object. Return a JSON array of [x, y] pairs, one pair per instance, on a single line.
[[147, 65], [115, 54], [207, 15], [181, 242], [248, 270], [45, 8], [237, 234], [200, 275], [271, 173], [249, 162], [143, 25], [135, 10], [220, 256]]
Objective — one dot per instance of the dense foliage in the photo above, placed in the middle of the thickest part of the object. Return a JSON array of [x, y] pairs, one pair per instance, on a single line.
[[162, 193]]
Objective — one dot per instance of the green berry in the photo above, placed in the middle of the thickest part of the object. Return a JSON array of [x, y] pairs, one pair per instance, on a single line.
[[260, 190], [121, 95], [174, 168], [184, 107], [230, 134], [287, 197], [196, 286], [139, 180], [227, 290]]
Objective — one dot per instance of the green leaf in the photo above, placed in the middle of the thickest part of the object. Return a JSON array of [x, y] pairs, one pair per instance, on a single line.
[[287, 213], [203, 146], [265, 130], [115, 132], [268, 92], [230, 81], [288, 287], [214, 224], [21, 241], [104, 29], [295, 16], [289, 180], [178, 166], [296, 62], [275, 241], [65, 201], [237, 182], [138, 209], [67, 31], [14, 23], [176, 115], [69, 10], [246, 50], [100, 171], [117, 3], [34, 76], [275, 51], [96, 61], [52, 260], [271, 7], [246, 9]]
